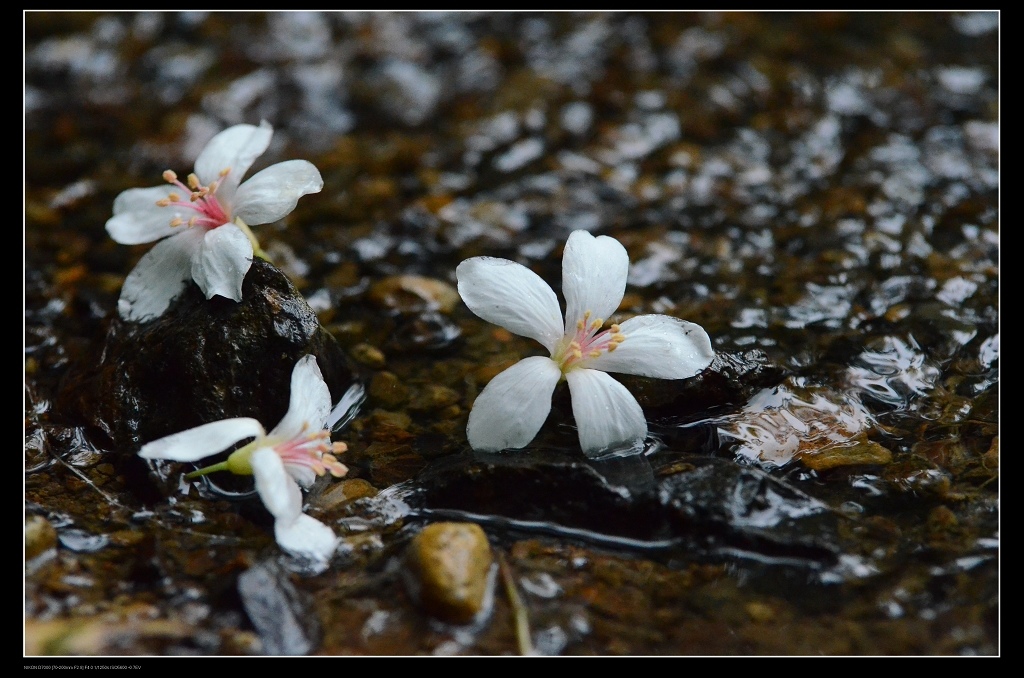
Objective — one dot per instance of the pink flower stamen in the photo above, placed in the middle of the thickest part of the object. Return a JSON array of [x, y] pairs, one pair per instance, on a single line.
[[202, 199], [313, 451], [589, 342]]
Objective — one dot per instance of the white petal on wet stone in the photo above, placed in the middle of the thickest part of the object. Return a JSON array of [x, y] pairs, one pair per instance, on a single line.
[[511, 409], [606, 414]]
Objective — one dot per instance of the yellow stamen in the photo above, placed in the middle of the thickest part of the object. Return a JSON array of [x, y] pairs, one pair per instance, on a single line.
[[176, 221], [174, 197], [169, 176], [224, 172], [163, 203], [595, 353], [193, 181]]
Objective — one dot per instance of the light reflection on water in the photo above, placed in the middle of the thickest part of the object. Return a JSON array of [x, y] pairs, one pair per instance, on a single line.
[[791, 421], [894, 372], [819, 424]]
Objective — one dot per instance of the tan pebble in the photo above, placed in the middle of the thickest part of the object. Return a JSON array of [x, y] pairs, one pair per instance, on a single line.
[[394, 420], [434, 397], [39, 536], [410, 293], [449, 566], [345, 491], [368, 355], [387, 389], [760, 612], [861, 452]]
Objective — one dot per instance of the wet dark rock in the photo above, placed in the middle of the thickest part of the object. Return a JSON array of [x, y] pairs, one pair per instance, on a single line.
[[744, 508], [704, 506], [206, 360], [547, 485], [280, 613], [728, 381]]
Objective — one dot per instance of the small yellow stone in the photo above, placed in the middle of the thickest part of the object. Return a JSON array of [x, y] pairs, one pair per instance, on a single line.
[[368, 355], [39, 536], [450, 565], [760, 612]]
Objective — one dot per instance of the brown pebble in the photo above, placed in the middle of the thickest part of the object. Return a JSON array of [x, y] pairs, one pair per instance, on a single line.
[[39, 536], [449, 566]]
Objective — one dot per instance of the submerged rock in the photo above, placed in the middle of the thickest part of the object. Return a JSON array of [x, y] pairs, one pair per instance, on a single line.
[[743, 509], [206, 360], [450, 568], [704, 507], [616, 497], [280, 614]]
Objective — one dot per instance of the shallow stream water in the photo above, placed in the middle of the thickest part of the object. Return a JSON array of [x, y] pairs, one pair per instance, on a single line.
[[819, 191]]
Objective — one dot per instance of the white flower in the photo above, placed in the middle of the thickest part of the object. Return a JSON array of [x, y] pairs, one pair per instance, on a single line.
[[206, 224], [294, 453], [509, 412]]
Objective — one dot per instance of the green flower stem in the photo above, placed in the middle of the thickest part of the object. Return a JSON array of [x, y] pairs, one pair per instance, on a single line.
[[238, 462], [256, 249], [223, 466]]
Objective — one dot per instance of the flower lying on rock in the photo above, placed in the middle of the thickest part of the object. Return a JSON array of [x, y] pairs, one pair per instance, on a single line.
[[294, 453], [206, 222], [513, 406]]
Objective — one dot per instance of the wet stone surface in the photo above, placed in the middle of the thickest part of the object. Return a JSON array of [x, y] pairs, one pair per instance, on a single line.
[[449, 571], [819, 191]]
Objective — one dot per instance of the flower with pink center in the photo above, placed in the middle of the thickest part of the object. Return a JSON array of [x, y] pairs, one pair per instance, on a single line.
[[513, 406], [203, 223], [293, 454]]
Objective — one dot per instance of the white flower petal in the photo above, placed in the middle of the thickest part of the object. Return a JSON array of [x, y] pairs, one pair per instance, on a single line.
[[279, 493], [159, 276], [303, 475], [594, 274], [138, 219], [513, 406], [510, 295], [272, 193], [606, 413], [306, 537], [236, 148], [139, 199], [135, 228], [310, 401], [222, 262], [658, 346], [202, 441]]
